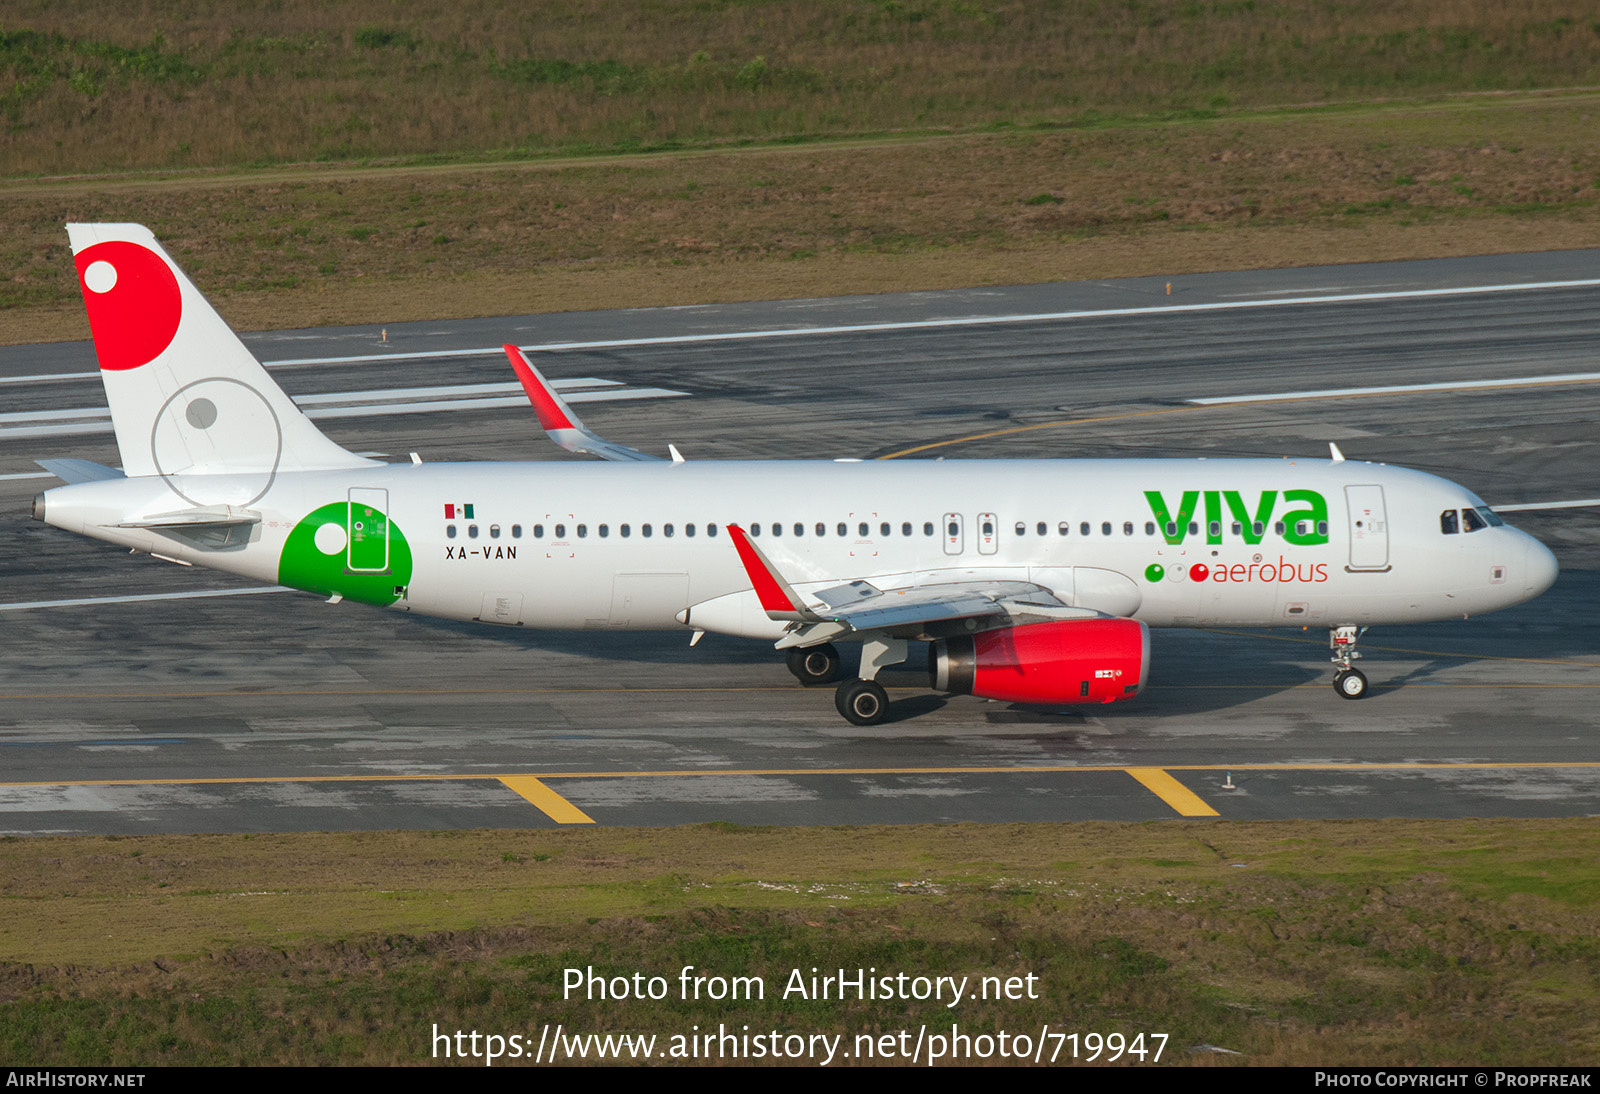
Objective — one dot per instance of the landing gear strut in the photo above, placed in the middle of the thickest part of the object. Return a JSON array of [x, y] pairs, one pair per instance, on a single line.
[[815, 664], [1348, 681]]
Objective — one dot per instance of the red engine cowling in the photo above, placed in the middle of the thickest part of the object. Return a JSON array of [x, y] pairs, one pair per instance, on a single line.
[[1077, 661]]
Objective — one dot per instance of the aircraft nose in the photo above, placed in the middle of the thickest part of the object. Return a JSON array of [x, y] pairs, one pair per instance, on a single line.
[[1539, 567]]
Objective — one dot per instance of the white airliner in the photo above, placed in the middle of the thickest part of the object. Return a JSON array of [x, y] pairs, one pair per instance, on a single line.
[[1033, 580]]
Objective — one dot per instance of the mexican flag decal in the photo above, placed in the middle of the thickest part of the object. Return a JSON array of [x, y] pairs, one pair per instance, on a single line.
[[458, 512]]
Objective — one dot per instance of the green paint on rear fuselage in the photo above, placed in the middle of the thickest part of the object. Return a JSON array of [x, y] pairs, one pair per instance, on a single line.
[[305, 565]]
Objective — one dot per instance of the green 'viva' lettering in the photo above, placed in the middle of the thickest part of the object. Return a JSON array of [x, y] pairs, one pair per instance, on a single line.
[[1312, 518], [1173, 529]]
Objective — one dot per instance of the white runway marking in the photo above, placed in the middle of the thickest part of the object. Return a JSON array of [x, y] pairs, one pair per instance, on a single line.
[[73, 421], [197, 594], [908, 324], [1535, 506], [961, 321], [1399, 389]]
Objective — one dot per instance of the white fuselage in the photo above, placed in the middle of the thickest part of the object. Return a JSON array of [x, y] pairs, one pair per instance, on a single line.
[[645, 546]]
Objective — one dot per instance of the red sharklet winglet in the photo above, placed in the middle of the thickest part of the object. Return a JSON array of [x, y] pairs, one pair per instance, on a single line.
[[552, 411], [777, 599]]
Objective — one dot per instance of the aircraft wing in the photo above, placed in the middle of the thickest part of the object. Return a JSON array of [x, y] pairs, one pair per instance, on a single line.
[[860, 606], [561, 423]]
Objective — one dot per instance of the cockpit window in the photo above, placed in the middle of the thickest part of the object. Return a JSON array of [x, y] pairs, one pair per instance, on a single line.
[[1449, 522], [1491, 516], [1472, 521]]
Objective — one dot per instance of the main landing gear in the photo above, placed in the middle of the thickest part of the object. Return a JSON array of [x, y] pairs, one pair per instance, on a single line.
[[814, 665], [1348, 681], [863, 702]]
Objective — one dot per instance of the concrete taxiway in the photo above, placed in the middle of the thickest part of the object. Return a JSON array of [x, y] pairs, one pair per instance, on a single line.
[[127, 707]]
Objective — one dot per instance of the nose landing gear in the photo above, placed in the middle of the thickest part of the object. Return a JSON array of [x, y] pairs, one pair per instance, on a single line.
[[1348, 681]]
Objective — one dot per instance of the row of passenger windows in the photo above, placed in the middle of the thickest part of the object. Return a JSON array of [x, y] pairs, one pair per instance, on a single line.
[[885, 528], [1107, 528], [603, 530]]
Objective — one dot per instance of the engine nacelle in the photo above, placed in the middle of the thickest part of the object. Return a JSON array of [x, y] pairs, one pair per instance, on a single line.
[[1076, 661]]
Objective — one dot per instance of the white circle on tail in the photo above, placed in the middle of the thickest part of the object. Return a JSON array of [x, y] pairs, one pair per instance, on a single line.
[[330, 539], [226, 452], [100, 277]]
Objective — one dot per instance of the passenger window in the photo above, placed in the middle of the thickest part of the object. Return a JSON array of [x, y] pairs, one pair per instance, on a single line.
[[1278, 527], [1194, 528], [1300, 527], [883, 529], [1214, 528], [1061, 529], [516, 531], [583, 531], [494, 531], [1022, 528], [1149, 527], [1105, 528], [927, 528], [863, 530], [1322, 527], [711, 530], [1127, 527], [1258, 528], [799, 529], [538, 531], [952, 530], [1084, 528], [605, 530], [1042, 528], [561, 531], [1238, 529], [472, 531], [755, 529], [626, 530], [667, 529], [1172, 528], [822, 529], [688, 529], [844, 529], [644, 530], [905, 528], [988, 527], [777, 529], [450, 531]]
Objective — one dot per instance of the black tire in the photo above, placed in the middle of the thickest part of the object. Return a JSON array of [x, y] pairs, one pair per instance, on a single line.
[[815, 664], [1350, 684], [862, 702]]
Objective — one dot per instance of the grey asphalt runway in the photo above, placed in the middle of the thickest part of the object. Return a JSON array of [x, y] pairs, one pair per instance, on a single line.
[[276, 711]]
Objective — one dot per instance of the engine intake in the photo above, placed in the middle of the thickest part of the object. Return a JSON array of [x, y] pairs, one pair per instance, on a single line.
[[1077, 661]]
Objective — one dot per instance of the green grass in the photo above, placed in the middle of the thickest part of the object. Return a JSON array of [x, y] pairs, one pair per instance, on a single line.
[[1379, 942], [234, 84]]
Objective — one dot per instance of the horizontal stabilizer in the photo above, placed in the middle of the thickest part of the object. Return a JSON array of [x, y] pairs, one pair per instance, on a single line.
[[72, 471]]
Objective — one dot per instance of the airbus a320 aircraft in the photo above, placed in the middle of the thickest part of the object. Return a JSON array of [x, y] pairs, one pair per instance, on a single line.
[[1034, 581]]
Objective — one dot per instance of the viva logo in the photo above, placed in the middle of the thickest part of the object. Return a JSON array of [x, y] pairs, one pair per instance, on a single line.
[[347, 549], [1305, 524]]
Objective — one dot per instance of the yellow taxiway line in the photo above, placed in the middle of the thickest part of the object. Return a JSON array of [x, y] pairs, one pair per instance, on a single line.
[[535, 789]]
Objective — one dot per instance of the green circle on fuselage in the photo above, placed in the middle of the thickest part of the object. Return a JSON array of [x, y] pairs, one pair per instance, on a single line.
[[381, 556], [1154, 572]]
